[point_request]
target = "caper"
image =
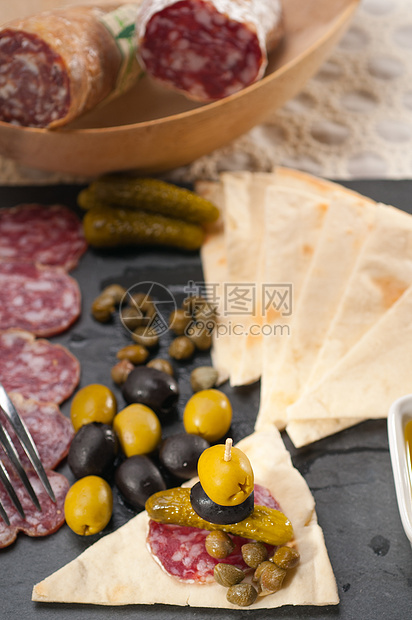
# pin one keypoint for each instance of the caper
(134, 353)
(181, 348)
(286, 557)
(202, 339)
(103, 308)
(121, 371)
(271, 577)
(115, 291)
(228, 575)
(242, 594)
(192, 303)
(219, 544)
(203, 378)
(150, 309)
(254, 554)
(260, 569)
(179, 321)
(131, 317)
(161, 364)
(138, 299)
(145, 337)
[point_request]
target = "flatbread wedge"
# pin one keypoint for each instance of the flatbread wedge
(119, 570)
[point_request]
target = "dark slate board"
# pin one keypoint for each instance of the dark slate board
(349, 474)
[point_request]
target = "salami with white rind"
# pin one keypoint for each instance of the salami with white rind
(207, 49)
(59, 64)
(42, 300)
(50, 235)
(37, 369)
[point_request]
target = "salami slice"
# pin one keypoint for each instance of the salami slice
(208, 49)
(42, 300)
(58, 64)
(181, 552)
(51, 431)
(35, 523)
(50, 235)
(36, 368)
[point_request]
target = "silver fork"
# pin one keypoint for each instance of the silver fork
(30, 449)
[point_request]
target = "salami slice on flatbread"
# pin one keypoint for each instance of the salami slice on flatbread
(119, 569)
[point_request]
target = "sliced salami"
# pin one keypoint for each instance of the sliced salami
(181, 552)
(36, 368)
(208, 49)
(58, 64)
(35, 523)
(50, 235)
(42, 300)
(51, 431)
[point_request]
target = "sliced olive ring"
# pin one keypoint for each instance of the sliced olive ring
(215, 513)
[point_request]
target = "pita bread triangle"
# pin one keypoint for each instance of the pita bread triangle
(119, 570)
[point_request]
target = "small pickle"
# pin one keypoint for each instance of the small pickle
(103, 309)
(115, 291)
(154, 195)
(121, 371)
(254, 554)
(271, 577)
(203, 378)
(219, 544)
(161, 364)
(131, 318)
(242, 594)
(265, 525)
(181, 348)
(105, 227)
(145, 337)
(179, 320)
(286, 557)
(228, 575)
(134, 353)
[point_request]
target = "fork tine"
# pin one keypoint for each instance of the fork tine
(5, 478)
(3, 515)
(6, 442)
(25, 440)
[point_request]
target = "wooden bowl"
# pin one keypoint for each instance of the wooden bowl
(153, 130)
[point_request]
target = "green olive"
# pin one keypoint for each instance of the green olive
(208, 413)
(181, 348)
(225, 482)
(88, 505)
(219, 544)
(93, 403)
(121, 371)
(138, 429)
(161, 364)
(145, 337)
(179, 321)
(134, 353)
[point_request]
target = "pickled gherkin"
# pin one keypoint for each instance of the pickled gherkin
(105, 227)
(151, 195)
(264, 525)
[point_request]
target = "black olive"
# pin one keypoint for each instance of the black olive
(180, 454)
(215, 513)
(151, 387)
(93, 450)
(137, 478)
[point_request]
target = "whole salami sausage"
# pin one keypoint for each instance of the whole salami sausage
(41, 300)
(208, 49)
(50, 235)
(58, 64)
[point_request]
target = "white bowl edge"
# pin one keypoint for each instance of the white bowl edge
(400, 412)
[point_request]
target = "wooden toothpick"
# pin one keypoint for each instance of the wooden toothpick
(228, 449)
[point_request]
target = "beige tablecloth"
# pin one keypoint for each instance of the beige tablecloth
(352, 120)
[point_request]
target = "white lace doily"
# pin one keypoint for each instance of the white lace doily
(352, 120)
